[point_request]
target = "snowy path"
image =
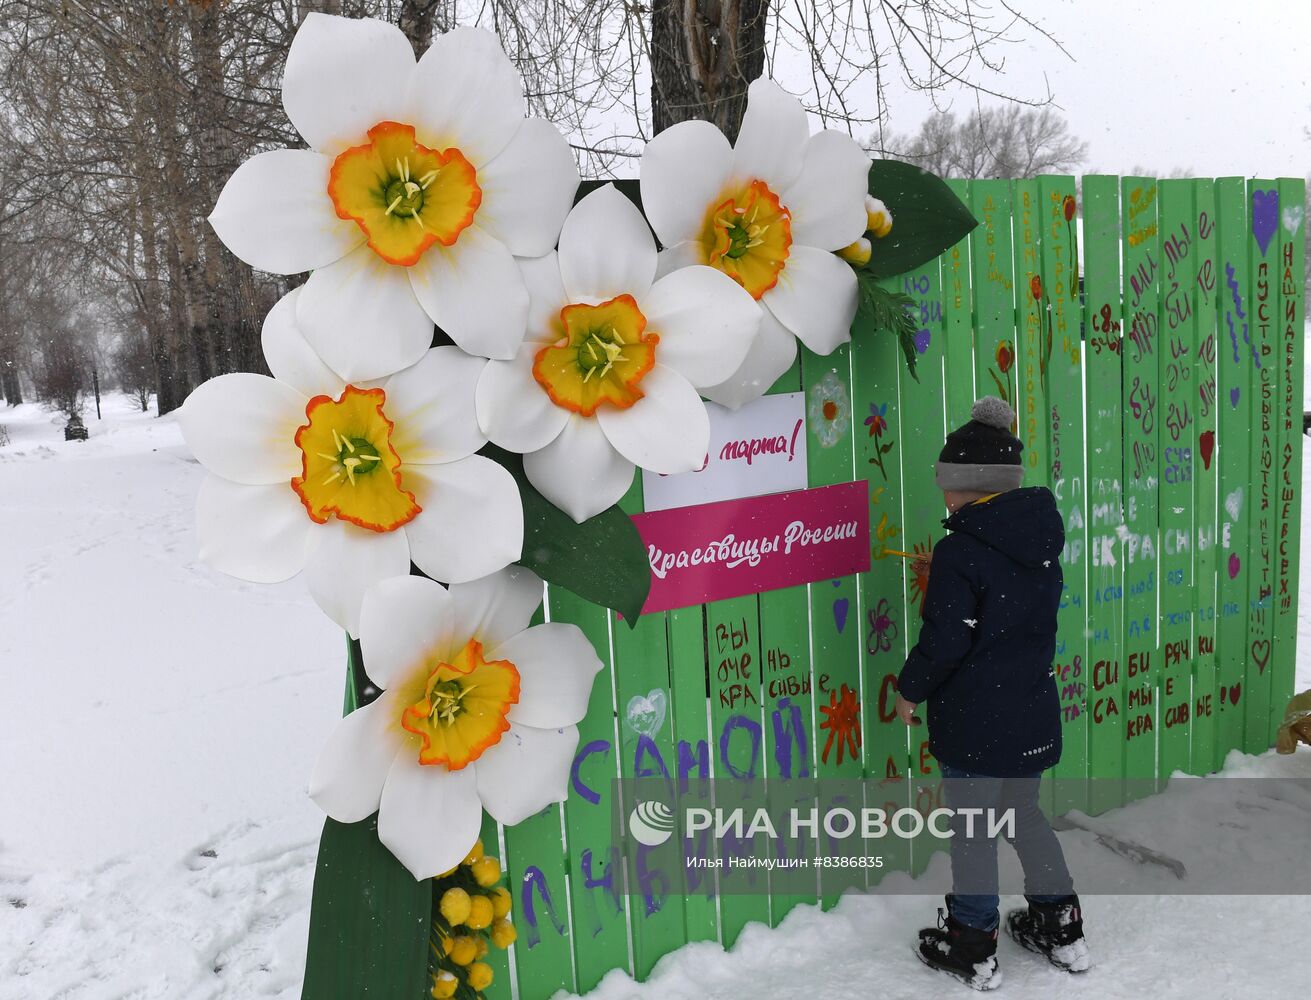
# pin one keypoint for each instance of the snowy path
(156, 840)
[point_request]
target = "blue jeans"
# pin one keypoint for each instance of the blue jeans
(973, 899)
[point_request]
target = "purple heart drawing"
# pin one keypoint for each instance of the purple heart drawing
(1265, 217)
(1233, 565)
(923, 338)
(836, 583)
(1233, 396)
(840, 608)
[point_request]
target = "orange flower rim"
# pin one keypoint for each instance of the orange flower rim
(748, 236)
(348, 465)
(601, 358)
(405, 196)
(458, 709)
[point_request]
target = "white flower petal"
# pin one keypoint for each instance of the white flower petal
(557, 666)
(606, 248)
(773, 136)
(242, 427)
(706, 322)
(816, 298)
(466, 93)
(665, 431)
(430, 816)
(348, 561)
(684, 171)
(475, 292)
(362, 318)
(496, 608)
(472, 520)
(403, 620)
(546, 297)
(772, 353)
(684, 254)
(528, 189)
(513, 409)
(256, 533)
(275, 214)
(289, 355)
(580, 471)
(343, 76)
(352, 766)
(431, 405)
(827, 200)
(526, 771)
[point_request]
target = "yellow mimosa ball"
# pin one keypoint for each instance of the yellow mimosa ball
(455, 906)
(480, 975)
(503, 933)
(486, 871)
(480, 913)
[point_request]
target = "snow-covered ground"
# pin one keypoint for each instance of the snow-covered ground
(158, 722)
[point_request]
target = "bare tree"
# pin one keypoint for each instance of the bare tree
(1010, 141)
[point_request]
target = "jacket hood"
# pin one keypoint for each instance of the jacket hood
(1023, 524)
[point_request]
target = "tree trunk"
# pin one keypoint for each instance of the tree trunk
(416, 21)
(704, 54)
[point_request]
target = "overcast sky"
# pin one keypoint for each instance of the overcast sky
(1218, 88)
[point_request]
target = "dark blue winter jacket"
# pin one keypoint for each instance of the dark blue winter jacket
(983, 663)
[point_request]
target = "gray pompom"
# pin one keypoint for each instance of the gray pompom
(992, 410)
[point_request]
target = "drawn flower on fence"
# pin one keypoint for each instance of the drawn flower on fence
(842, 721)
(882, 629)
(877, 422)
(422, 185)
(919, 586)
(478, 711)
(1001, 377)
(1044, 327)
(1068, 207)
(608, 376)
(830, 410)
(769, 211)
(348, 483)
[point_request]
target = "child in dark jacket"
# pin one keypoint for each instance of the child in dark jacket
(983, 665)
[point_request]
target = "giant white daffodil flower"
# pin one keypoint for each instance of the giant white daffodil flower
(423, 183)
(769, 212)
(479, 711)
(608, 375)
(347, 482)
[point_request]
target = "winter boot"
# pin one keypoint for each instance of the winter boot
(962, 951)
(1054, 930)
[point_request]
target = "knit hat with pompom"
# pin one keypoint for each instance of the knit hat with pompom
(982, 454)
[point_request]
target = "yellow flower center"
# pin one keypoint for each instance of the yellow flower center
(748, 236)
(348, 465)
(458, 709)
(405, 196)
(601, 357)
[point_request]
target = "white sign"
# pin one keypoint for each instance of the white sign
(757, 449)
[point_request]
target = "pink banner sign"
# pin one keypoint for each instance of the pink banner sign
(715, 551)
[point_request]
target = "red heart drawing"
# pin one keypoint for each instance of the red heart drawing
(1263, 657)
(1234, 691)
(1207, 443)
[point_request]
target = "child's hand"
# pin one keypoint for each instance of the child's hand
(906, 711)
(921, 564)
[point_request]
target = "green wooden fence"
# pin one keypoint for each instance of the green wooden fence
(1159, 398)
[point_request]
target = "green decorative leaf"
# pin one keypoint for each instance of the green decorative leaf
(369, 920)
(601, 560)
(885, 310)
(927, 217)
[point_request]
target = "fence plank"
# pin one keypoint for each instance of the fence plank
(1178, 449)
(834, 632)
(1289, 363)
(887, 626)
(958, 323)
(923, 430)
(1140, 255)
(1064, 420)
(1105, 416)
(992, 274)
(1205, 704)
(788, 700)
(1263, 255)
(1236, 374)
